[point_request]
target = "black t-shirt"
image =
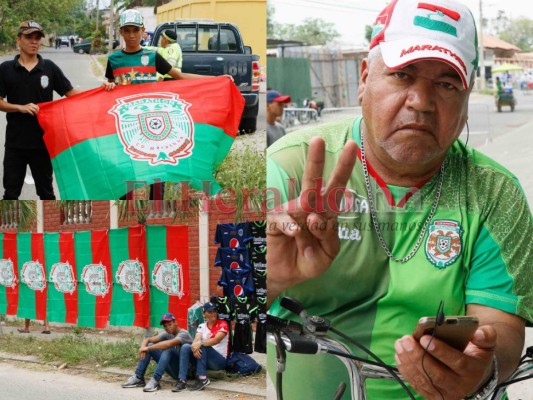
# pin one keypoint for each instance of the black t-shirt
(20, 86)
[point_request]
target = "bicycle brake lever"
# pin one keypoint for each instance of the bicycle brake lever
(294, 306)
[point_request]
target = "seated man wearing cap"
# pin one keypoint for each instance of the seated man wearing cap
(275, 105)
(164, 349)
(385, 216)
(210, 349)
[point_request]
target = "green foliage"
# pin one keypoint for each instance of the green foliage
(368, 33)
(312, 31)
(243, 175)
(270, 20)
(22, 211)
(520, 33)
(56, 16)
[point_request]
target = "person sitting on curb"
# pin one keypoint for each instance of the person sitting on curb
(164, 349)
(26, 328)
(210, 348)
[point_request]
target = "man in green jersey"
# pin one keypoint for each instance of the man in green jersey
(379, 219)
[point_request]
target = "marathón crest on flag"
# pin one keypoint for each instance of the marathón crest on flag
(167, 276)
(94, 276)
(33, 275)
(62, 275)
(7, 273)
(154, 127)
(130, 275)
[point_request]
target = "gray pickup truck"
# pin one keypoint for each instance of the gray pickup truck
(217, 48)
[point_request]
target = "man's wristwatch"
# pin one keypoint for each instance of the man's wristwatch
(486, 391)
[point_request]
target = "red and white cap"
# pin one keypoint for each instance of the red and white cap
(408, 31)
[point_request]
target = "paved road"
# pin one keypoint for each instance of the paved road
(32, 383)
(77, 68)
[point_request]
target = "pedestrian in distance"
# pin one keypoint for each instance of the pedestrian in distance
(209, 350)
(275, 105)
(26, 329)
(171, 51)
(26, 80)
(164, 349)
(393, 214)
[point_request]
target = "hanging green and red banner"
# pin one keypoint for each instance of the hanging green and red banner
(32, 272)
(168, 259)
(95, 278)
(124, 277)
(9, 289)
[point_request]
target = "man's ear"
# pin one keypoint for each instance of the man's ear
(362, 80)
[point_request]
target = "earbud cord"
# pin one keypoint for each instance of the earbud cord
(439, 320)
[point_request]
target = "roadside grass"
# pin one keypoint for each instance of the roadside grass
(75, 350)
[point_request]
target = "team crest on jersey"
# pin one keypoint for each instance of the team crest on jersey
(7, 273)
(145, 60)
(95, 278)
(443, 244)
(33, 275)
(45, 81)
(157, 129)
(130, 275)
(62, 275)
(167, 276)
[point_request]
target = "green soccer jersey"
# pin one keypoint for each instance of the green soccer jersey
(477, 249)
(132, 68)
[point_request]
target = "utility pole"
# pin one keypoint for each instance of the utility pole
(97, 11)
(481, 48)
(111, 27)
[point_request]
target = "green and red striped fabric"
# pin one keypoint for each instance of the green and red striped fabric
(130, 304)
(95, 278)
(9, 277)
(175, 131)
(168, 260)
(32, 273)
(62, 277)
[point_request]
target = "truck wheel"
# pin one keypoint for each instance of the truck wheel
(512, 107)
(80, 51)
(499, 105)
(248, 125)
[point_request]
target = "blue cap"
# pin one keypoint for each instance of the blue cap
(167, 317)
(209, 306)
(274, 95)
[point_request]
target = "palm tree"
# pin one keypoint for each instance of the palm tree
(20, 214)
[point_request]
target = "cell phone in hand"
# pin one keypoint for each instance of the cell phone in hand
(456, 331)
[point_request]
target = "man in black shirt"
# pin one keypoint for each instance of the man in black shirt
(25, 81)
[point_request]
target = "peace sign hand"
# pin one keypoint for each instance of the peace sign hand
(302, 240)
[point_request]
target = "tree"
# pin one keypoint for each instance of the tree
(312, 31)
(368, 32)
(520, 33)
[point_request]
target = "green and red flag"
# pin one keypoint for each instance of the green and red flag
(103, 144)
(62, 277)
(95, 278)
(9, 279)
(33, 285)
(130, 304)
(168, 260)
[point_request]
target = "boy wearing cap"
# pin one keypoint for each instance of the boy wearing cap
(135, 64)
(25, 81)
(210, 348)
(275, 105)
(164, 349)
(424, 219)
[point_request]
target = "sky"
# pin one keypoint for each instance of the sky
(351, 16)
